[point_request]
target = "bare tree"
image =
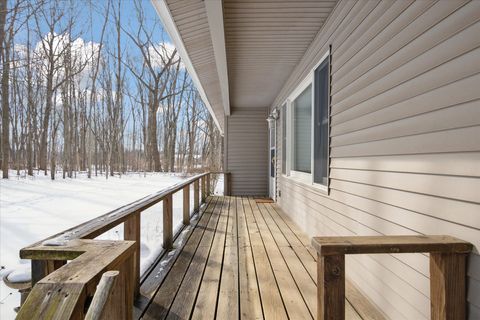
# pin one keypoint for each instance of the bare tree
(133, 108)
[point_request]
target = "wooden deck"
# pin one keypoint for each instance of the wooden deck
(240, 258)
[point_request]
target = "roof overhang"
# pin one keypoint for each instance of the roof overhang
(215, 22)
(213, 89)
(240, 54)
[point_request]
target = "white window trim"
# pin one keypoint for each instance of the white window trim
(285, 115)
(298, 176)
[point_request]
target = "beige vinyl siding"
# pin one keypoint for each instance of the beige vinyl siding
(405, 140)
(247, 151)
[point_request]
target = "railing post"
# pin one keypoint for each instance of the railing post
(331, 287)
(101, 296)
(186, 205)
(42, 268)
(196, 196)
(208, 184)
(120, 303)
(447, 285)
(131, 231)
(167, 222)
(226, 183)
(204, 189)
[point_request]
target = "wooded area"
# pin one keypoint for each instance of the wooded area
(122, 103)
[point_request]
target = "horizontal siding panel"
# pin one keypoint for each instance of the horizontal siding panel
(386, 218)
(457, 140)
(247, 156)
(458, 188)
(432, 48)
(412, 26)
(420, 214)
(353, 220)
(369, 31)
(464, 115)
(461, 67)
(362, 9)
(451, 94)
(459, 164)
(404, 66)
(392, 30)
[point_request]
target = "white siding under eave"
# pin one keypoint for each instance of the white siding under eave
(405, 140)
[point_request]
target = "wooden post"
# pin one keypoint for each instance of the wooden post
(196, 201)
(447, 286)
(204, 189)
(131, 231)
(42, 268)
(119, 304)
(167, 222)
(186, 205)
(208, 184)
(331, 287)
(226, 183)
(102, 294)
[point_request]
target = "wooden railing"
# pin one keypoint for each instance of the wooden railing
(64, 291)
(447, 270)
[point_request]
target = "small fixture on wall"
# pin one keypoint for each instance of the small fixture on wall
(272, 117)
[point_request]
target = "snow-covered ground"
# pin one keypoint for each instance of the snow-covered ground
(34, 208)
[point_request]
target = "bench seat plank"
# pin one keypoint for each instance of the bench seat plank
(326, 246)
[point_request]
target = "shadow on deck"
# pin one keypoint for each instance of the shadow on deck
(239, 258)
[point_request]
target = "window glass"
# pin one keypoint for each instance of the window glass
(302, 118)
(283, 114)
(320, 148)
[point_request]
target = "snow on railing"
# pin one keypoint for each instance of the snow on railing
(51, 254)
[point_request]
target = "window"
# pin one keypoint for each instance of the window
(283, 114)
(302, 123)
(320, 140)
(306, 128)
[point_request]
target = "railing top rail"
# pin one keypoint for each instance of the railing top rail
(69, 286)
(103, 223)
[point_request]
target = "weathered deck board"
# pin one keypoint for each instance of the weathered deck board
(243, 259)
(162, 300)
(250, 303)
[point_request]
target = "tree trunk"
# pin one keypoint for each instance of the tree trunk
(46, 119)
(5, 92)
(152, 139)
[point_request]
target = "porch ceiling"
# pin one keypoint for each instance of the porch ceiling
(244, 59)
(265, 39)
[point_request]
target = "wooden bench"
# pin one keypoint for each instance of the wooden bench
(447, 270)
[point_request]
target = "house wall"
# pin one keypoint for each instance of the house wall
(405, 140)
(247, 151)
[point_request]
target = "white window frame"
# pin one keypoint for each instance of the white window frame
(302, 177)
(284, 115)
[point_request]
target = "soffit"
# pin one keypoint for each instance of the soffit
(265, 39)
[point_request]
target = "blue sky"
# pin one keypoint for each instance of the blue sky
(90, 17)
(89, 20)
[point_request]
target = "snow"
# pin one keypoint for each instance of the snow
(34, 208)
(18, 276)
